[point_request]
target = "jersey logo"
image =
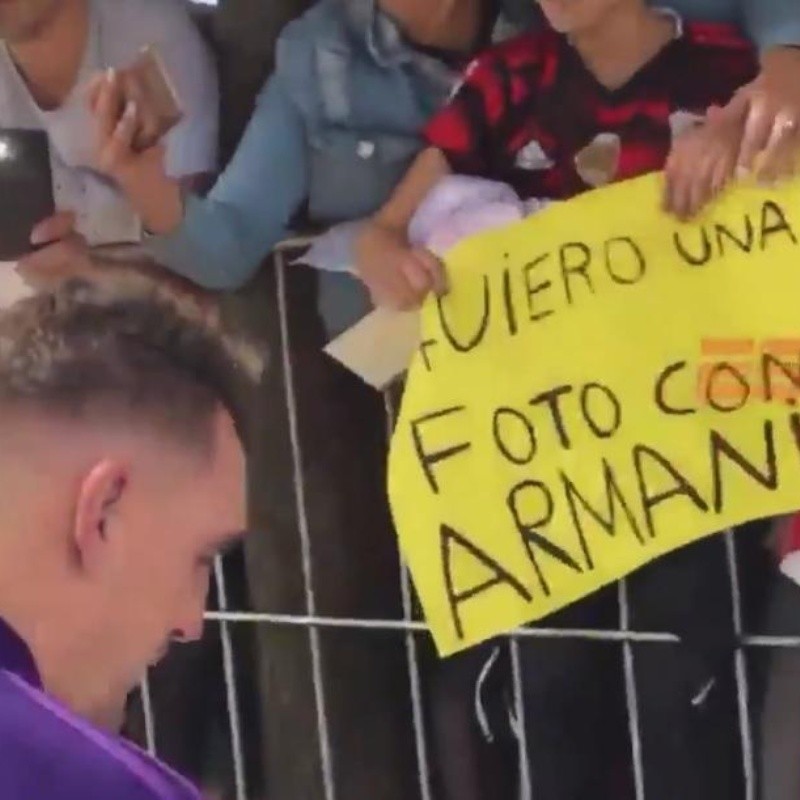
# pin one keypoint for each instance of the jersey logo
(533, 157)
(598, 162)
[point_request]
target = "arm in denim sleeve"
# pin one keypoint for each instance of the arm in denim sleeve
(224, 237)
(772, 22)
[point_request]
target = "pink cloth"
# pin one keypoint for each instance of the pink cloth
(460, 206)
(456, 208)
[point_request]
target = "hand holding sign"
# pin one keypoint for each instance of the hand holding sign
(601, 386)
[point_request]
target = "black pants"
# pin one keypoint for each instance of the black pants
(576, 708)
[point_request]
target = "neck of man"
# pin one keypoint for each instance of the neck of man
(623, 42)
(46, 621)
(50, 60)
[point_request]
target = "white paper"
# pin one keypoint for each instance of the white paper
(379, 348)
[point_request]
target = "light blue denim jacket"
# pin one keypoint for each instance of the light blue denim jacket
(347, 94)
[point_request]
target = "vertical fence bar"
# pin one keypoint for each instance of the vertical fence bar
(149, 716)
(525, 783)
(231, 692)
(305, 536)
(631, 693)
(742, 684)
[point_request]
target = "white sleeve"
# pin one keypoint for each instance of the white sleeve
(192, 144)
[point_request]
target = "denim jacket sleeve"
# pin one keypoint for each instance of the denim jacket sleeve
(773, 22)
(225, 236)
(768, 23)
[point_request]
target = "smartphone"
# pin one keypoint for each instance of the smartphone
(147, 83)
(26, 189)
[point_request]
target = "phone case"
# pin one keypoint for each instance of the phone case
(147, 83)
(26, 189)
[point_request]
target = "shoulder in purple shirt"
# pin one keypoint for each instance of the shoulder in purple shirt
(46, 751)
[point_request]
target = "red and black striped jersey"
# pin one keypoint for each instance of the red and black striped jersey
(530, 113)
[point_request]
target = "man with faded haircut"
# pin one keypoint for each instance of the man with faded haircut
(121, 477)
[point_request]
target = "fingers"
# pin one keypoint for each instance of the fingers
(757, 132)
(146, 132)
(702, 162)
(114, 131)
(59, 226)
(675, 199)
(722, 174)
(63, 259)
(770, 141)
(118, 148)
(715, 172)
(686, 179)
(396, 294)
(405, 287)
(778, 159)
(784, 129)
(388, 287)
(425, 273)
(699, 188)
(396, 275)
(693, 183)
(107, 105)
(708, 182)
(122, 139)
(405, 284)
(678, 174)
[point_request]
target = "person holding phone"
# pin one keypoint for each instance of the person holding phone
(49, 52)
(354, 84)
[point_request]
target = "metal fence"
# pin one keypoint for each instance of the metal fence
(411, 629)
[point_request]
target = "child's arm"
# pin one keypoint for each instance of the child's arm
(461, 139)
(396, 274)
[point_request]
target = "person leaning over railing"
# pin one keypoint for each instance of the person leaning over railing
(49, 51)
(340, 119)
(541, 112)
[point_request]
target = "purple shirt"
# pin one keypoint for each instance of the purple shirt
(49, 753)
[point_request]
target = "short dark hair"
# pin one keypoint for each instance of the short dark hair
(127, 350)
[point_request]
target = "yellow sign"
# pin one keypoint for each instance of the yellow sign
(601, 386)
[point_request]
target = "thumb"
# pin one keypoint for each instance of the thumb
(120, 146)
(435, 269)
(59, 226)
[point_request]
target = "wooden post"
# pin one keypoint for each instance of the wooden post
(342, 432)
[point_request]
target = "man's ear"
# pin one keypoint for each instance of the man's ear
(99, 496)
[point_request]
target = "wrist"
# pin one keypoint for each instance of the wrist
(156, 197)
(138, 179)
